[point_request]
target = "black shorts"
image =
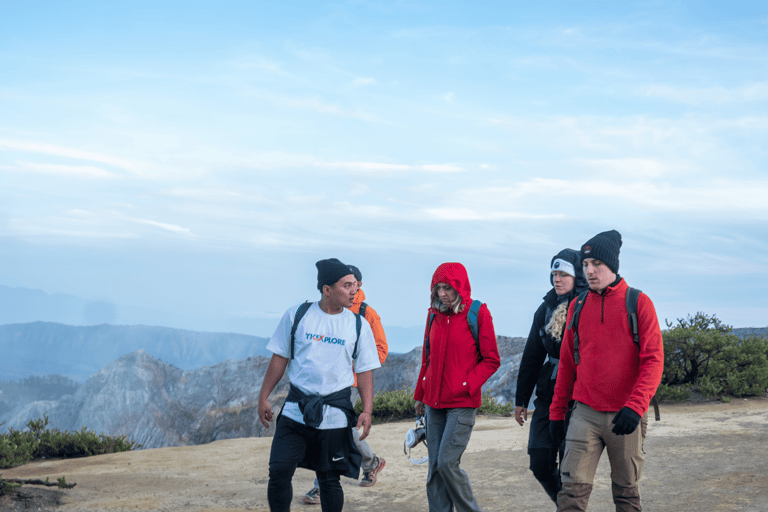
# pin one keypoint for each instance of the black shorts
(310, 448)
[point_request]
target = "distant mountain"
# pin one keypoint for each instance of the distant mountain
(745, 332)
(157, 404)
(75, 351)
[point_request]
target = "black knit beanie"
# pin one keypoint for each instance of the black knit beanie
(604, 247)
(330, 271)
(356, 272)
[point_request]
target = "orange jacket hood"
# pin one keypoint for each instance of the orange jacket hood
(359, 298)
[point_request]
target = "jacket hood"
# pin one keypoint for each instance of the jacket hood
(359, 296)
(455, 275)
(574, 258)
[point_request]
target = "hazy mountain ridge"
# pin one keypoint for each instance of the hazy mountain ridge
(157, 404)
(745, 332)
(51, 348)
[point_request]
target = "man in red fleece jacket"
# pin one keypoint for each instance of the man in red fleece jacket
(611, 384)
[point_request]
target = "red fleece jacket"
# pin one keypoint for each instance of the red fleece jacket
(612, 373)
(452, 376)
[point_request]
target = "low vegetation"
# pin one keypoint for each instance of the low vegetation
(399, 405)
(702, 355)
(17, 447)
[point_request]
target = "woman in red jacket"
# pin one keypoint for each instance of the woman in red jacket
(454, 367)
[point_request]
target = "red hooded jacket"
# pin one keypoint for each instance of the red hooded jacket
(453, 376)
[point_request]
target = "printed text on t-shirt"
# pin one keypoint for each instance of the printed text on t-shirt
(326, 339)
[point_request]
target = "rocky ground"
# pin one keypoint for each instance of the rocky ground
(709, 456)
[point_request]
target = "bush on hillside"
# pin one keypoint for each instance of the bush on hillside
(701, 353)
(399, 405)
(6, 486)
(17, 448)
(490, 405)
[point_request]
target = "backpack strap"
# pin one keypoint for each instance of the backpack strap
(632, 295)
(631, 301)
(575, 323)
(300, 314)
(296, 319)
(473, 325)
(358, 326)
(363, 309)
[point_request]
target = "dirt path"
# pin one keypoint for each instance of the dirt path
(700, 457)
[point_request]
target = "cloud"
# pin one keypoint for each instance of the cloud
(132, 166)
(707, 96)
(705, 197)
(363, 81)
(173, 228)
(205, 193)
(259, 63)
(468, 214)
(637, 168)
(69, 170)
(381, 167)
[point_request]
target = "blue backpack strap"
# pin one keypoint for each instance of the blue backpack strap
(574, 324)
(297, 317)
(473, 324)
(632, 295)
(358, 326)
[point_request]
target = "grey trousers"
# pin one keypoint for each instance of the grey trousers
(448, 432)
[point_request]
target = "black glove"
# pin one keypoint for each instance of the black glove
(625, 422)
(557, 431)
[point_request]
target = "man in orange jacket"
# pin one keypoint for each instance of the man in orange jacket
(372, 464)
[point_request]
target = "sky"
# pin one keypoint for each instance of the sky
(193, 160)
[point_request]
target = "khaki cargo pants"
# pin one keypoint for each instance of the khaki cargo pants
(589, 432)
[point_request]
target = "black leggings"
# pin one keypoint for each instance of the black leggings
(543, 452)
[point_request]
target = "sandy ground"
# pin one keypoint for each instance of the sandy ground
(700, 457)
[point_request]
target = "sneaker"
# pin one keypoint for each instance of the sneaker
(369, 477)
(312, 497)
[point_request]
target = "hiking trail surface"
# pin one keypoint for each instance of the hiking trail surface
(701, 456)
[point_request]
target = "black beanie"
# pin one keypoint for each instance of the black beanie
(604, 247)
(330, 271)
(356, 272)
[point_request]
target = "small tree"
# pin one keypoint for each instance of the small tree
(700, 352)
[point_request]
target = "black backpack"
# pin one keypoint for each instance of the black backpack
(473, 327)
(300, 314)
(632, 296)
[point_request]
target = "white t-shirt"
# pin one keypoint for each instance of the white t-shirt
(323, 361)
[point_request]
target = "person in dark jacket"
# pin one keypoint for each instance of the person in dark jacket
(454, 368)
(538, 367)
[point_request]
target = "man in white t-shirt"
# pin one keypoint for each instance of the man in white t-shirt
(313, 430)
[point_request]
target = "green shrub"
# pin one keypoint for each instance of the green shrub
(489, 405)
(399, 405)
(674, 393)
(6, 486)
(17, 448)
(390, 405)
(700, 352)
